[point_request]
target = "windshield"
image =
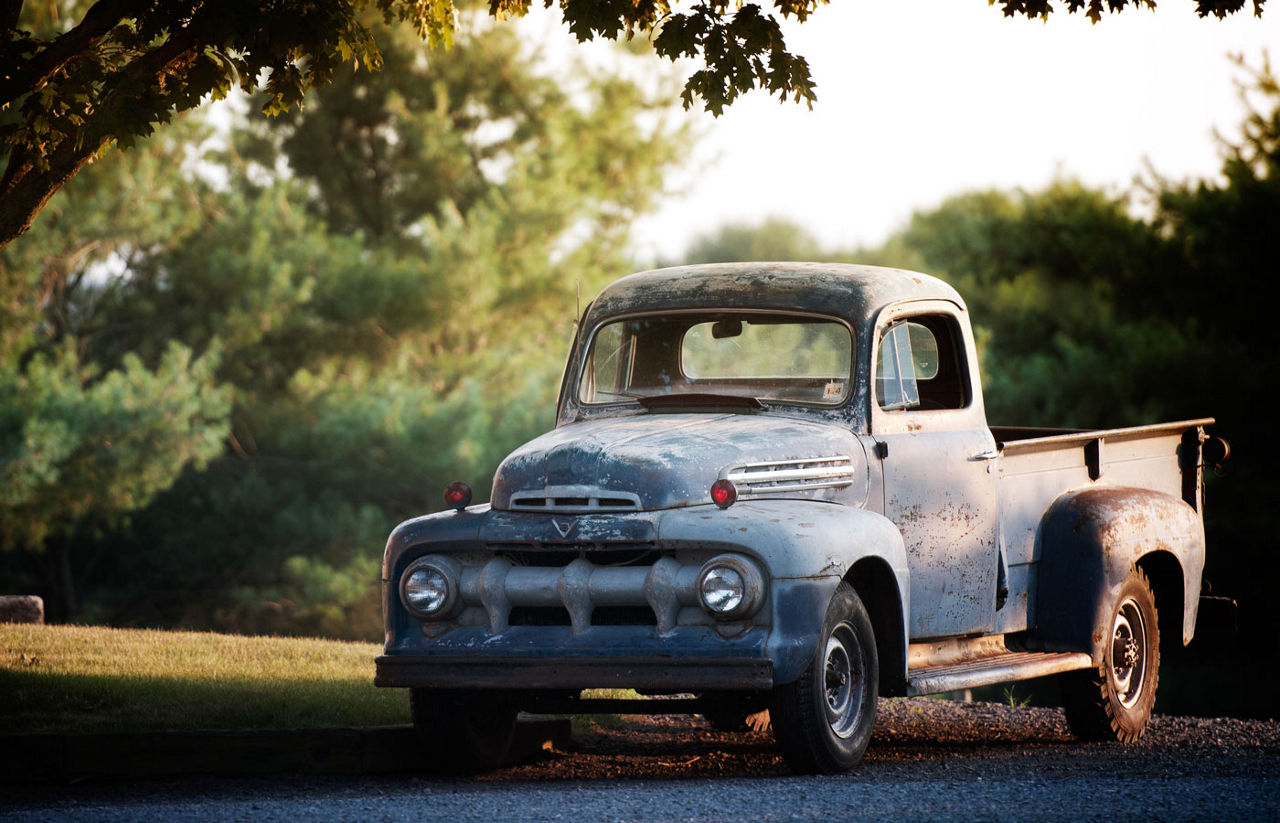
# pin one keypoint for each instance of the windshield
(776, 357)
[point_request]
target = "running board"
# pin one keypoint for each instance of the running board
(987, 671)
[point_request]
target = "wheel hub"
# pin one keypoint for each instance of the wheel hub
(1128, 648)
(843, 680)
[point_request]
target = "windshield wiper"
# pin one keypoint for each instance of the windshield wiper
(626, 394)
(703, 400)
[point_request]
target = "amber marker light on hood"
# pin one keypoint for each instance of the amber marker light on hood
(457, 495)
(724, 493)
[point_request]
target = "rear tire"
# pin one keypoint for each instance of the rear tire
(823, 721)
(463, 731)
(1114, 702)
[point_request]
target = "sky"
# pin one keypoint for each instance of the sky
(922, 99)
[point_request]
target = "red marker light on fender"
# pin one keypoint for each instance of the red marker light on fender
(724, 493)
(457, 495)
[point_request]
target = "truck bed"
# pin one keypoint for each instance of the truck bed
(1037, 465)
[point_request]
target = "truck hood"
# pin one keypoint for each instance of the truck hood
(662, 461)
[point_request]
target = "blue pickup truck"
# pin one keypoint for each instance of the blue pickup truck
(773, 486)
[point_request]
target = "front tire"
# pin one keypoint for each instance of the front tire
(823, 721)
(463, 732)
(1115, 701)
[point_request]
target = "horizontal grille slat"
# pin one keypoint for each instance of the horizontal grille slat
(574, 500)
(804, 474)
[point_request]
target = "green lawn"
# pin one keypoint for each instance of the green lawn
(81, 679)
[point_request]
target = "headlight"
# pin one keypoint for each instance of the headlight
(429, 587)
(730, 587)
(722, 589)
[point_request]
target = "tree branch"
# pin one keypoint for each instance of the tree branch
(25, 187)
(101, 18)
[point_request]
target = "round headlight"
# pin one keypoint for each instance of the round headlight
(730, 587)
(429, 587)
(722, 590)
(425, 590)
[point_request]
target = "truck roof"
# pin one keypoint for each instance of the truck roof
(854, 293)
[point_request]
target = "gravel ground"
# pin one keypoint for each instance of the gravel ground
(929, 760)
(908, 732)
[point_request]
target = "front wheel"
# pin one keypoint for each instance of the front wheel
(823, 721)
(1114, 701)
(463, 732)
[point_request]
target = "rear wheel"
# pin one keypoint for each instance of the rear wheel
(1114, 702)
(823, 721)
(463, 731)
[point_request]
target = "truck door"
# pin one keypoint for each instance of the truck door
(939, 467)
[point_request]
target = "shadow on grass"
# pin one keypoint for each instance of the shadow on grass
(38, 702)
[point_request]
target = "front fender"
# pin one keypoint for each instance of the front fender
(442, 531)
(808, 547)
(1090, 540)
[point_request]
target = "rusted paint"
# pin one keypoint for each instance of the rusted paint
(1093, 540)
(671, 460)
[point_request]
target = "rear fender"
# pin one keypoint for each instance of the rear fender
(1088, 543)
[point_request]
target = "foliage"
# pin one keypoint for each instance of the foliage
(386, 315)
(1093, 9)
(80, 75)
(78, 449)
(82, 445)
(85, 680)
(773, 239)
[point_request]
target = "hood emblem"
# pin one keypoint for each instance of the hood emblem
(564, 526)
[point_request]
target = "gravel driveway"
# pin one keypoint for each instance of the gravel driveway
(929, 760)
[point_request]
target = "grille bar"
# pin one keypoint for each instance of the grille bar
(574, 500)
(580, 587)
(793, 475)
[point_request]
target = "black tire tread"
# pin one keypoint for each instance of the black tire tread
(1092, 709)
(796, 707)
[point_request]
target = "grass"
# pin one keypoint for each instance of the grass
(1013, 699)
(80, 679)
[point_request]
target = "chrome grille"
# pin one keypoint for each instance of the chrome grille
(792, 475)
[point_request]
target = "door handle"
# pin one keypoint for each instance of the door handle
(986, 455)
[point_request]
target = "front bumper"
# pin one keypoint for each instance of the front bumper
(689, 658)
(645, 673)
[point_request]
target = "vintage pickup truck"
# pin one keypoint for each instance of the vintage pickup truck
(773, 485)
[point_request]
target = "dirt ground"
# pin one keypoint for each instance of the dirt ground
(907, 731)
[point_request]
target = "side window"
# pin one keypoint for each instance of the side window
(918, 365)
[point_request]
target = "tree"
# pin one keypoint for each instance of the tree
(84, 444)
(79, 76)
(80, 450)
(772, 239)
(389, 314)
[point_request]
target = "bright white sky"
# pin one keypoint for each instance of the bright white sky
(921, 99)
